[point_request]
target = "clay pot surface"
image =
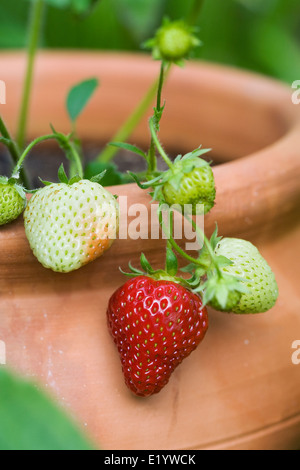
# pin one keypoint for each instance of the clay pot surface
(240, 388)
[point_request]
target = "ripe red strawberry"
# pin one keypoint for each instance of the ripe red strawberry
(155, 325)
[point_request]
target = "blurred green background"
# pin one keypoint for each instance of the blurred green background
(259, 35)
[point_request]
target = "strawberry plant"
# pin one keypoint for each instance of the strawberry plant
(158, 317)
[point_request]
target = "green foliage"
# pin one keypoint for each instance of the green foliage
(260, 35)
(76, 6)
(29, 420)
(112, 176)
(79, 96)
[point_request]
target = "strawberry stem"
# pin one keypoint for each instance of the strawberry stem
(172, 242)
(208, 246)
(34, 33)
(27, 150)
(158, 144)
(181, 252)
(131, 123)
(64, 142)
(14, 151)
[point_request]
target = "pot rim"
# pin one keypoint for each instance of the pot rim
(253, 191)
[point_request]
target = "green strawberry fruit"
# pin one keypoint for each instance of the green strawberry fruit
(191, 182)
(70, 225)
(233, 299)
(173, 42)
(248, 265)
(12, 201)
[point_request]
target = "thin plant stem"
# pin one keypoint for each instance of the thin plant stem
(181, 252)
(164, 71)
(172, 242)
(34, 33)
(128, 127)
(126, 130)
(14, 152)
(158, 144)
(76, 161)
(28, 149)
(208, 246)
(65, 144)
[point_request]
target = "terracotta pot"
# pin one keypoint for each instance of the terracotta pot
(240, 389)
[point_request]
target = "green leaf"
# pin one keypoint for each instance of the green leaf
(131, 148)
(30, 420)
(98, 178)
(79, 96)
(139, 16)
(111, 177)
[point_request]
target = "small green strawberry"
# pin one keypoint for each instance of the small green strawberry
(70, 224)
(249, 266)
(190, 182)
(12, 200)
(232, 276)
(173, 42)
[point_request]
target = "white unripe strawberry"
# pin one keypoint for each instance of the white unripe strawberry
(250, 266)
(70, 225)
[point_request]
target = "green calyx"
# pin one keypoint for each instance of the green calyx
(219, 290)
(222, 293)
(167, 274)
(173, 42)
(63, 178)
(188, 184)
